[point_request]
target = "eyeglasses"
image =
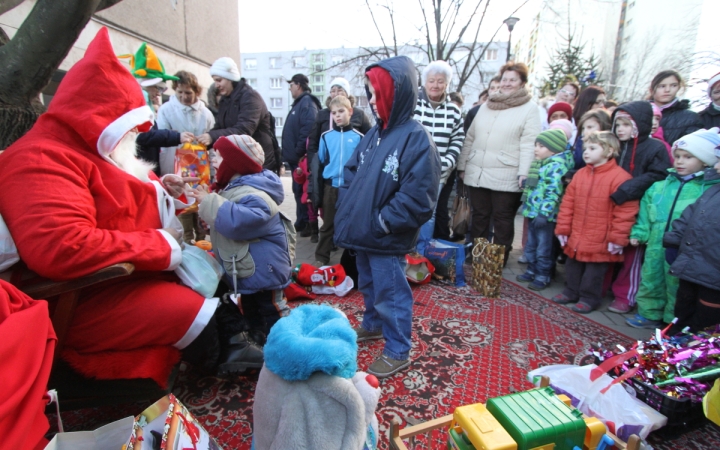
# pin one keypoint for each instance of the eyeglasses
(566, 92)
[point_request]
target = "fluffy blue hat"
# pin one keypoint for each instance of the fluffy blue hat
(313, 338)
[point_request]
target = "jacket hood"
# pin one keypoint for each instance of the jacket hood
(265, 181)
(678, 105)
(405, 76)
(642, 113)
(711, 174)
(312, 97)
(115, 107)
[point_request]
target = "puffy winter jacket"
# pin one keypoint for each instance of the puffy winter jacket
(710, 117)
(678, 120)
(297, 128)
(323, 122)
(590, 219)
(245, 222)
(697, 235)
(244, 112)
(336, 148)
(644, 158)
(544, 198)
(392, 178)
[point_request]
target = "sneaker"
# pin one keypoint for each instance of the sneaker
(522, 259)
(385, 366)
(365, 335)
(638, 321)
(561, 299)
(582, 308)
(619, 306)
(525, 277)
(538, 285)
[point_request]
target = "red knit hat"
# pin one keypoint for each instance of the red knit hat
(117, 104)
(560, 106)
(241, 155)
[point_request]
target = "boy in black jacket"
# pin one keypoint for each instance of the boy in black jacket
(646, 159)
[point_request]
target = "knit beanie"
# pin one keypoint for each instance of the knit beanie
(241, 155)
(560, 106)
(225, 67)
(342, 83)
(563, 124)
(711, 83)
(701, 144)
(553, 140)
(625, 115)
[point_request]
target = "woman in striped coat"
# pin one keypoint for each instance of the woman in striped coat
(443, 120)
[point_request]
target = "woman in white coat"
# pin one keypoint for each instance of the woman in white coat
(497, 153)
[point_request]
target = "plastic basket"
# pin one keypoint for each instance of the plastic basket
(682, 414)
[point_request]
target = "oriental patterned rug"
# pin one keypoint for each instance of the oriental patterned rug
(466, 349)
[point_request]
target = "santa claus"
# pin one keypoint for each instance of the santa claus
(76, 199)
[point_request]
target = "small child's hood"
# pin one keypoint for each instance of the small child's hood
(265, 181)
(641, 113)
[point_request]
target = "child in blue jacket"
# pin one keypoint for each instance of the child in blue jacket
(336, 147)
(390, 190)
(248, 232)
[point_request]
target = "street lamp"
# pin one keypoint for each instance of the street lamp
(510, 22)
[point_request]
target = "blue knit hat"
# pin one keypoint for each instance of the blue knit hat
(701, 144)
(313, 338)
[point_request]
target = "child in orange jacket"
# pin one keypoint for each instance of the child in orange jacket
(591, 228)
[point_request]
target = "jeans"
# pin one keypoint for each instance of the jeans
(539, 248)
(300, 208)
(263, 309)
(388, 301)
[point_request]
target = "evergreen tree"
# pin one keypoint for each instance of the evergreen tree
(570, 64)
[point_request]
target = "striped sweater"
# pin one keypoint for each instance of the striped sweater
(445, 125)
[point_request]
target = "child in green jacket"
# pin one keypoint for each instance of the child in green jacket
(662, 203)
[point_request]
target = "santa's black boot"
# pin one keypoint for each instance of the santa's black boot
(238, 351)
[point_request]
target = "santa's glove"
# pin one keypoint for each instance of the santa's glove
(615, 249)
(563, 240)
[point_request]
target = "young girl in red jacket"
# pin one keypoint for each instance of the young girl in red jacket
(591, 227)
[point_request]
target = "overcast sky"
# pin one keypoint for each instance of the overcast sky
(286, 25)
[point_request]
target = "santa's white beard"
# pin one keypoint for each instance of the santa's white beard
(125, 156)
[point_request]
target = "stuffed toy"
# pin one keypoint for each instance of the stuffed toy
(296, 292)
(419, 269)
(309, 393)
(341, 290)
(308, 275)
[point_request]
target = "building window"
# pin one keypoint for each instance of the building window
(318, 57)
(628, 22)
(279, 121)
(252, 82)
(318, 67)
(251, 63)
(298, 61)
(276, 83)
(361, 101)
(318, 79)
(318, 88)
(491, 54)
(337, 60)
(275, 63)
(276, 103)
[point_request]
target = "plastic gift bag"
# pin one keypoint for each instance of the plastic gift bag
(488, 262)
(192, 160)
(448, 259)
(596, 394)
(199, 271)
(8, 250)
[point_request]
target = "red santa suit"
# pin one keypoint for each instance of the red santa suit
(25, 369)
(72, 211)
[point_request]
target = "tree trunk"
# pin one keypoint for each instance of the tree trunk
(29, 60)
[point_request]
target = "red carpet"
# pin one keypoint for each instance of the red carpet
(466, 349)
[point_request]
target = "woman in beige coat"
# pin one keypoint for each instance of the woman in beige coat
(497, 153)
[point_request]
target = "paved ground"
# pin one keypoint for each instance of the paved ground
(305, 253)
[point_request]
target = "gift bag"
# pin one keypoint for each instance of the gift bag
(115, 435)
(488, 262)
(460, 219)
(448, 259)
(596, 394)
(192, 160)
(168, 424)
(199, 271)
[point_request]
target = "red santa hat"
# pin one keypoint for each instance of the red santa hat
(100, 99)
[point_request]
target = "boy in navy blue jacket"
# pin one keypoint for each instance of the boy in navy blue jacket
(390, 190)
(336, 147)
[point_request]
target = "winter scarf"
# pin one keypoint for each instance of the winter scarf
(500, 101)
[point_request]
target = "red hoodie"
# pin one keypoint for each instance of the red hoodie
(384, 87)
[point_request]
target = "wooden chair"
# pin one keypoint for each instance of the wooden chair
(75, 391)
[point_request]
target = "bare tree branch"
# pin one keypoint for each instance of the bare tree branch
(428, 42)
(382, 39)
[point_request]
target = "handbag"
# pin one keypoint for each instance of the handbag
(488, 262)
(199, 271)
(460, 220)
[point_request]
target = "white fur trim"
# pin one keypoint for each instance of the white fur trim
(201, 320)
(176, 251)
(111, 135)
